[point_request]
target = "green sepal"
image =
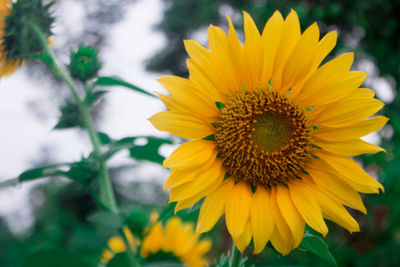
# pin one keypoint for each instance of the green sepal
(219, 105)
(209, 138)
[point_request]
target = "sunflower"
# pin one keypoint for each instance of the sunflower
(273, 132)
(176, 240)
(17, 39)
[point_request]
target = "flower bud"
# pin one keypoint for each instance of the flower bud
(84, 63)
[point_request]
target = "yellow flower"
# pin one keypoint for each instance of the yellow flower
(273, 133)
(179, 239)
(116, 245)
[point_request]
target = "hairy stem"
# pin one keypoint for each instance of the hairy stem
(106, 191)
(235, 257)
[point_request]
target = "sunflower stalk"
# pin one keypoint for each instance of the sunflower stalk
(236, 257)
(106, 191)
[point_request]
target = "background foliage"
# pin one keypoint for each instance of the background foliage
(65, 220)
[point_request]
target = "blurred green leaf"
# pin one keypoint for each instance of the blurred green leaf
(149, 151)
(107, 219)
(70, 116)
(114, 81)
(41, 172)
(54, 257)
(92, 97)
(317, 246)
(83, 170)
(119, 260)
(44, 58)
(104, 138)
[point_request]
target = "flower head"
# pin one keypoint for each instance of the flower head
(178, 240)
(175, 241)
(17, 38)
(273, 132)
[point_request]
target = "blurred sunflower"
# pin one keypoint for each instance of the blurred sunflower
(177, 241)
(274, 133)
(17, 39)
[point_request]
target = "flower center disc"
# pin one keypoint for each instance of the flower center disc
(263, 138)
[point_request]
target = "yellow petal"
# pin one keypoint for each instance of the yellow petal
(348, 147)
(204, 181)
(180, 124)
(279, 243)
(336, 212)
(188, 96)
(271, 37)
(179, 177)
(351, 82)
(171, 104)
(328, 182)
(243, 240)
(347, 112)
(253, 52)
(116, 244)
(307, 206)
(352, 172)
(262, 223)
(236, 53)
(237, 209)
(153, 241)
(201, 70)
(290, 35)
(191, 154)
(281, 238)
(221, 59)
(290, 214)
(186, 203)
(213, 207)
(325, 46)
(328, 76)
(351, 132)
(300, 62)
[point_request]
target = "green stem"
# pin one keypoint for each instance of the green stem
(235, 257)
(106, 191)
(129, 249)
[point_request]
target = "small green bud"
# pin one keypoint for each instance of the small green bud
(137, 221)
(84, 63)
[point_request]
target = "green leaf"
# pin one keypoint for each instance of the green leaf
(119, 145)
(120, 260)
(70, 116)
(114, 81)
(104, 138)
(317, 246)
(44, 58)
(149, 151)
(54, 257)
(41, 172)
(85, 169)
(106, 219)
(92, 97)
